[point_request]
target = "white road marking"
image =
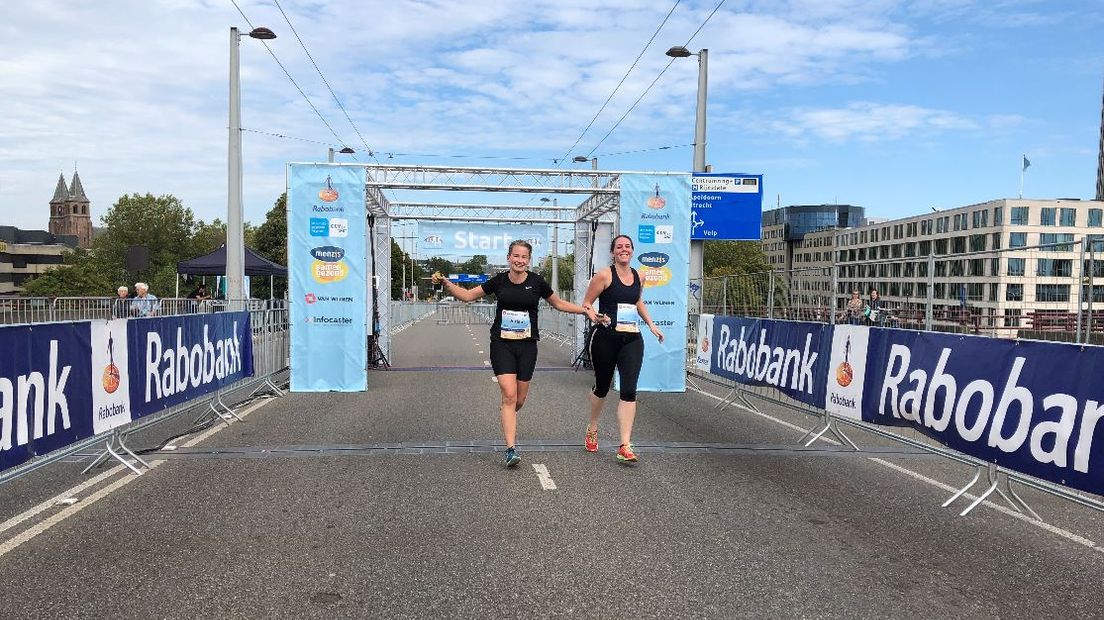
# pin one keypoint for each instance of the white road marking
(494, 378)
(545, 480)
(486, 362)
(11, 544)
(481, 350)
(922, 478)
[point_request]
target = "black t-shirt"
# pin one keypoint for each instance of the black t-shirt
(517, 304)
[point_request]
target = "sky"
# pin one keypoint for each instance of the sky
(894, 105)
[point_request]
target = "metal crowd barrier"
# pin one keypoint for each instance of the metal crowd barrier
(999, 479)
(460, 313)
(406, 313)
(269, 327)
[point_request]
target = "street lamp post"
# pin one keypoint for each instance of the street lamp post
(555, 247)
(344, 151)
(235, 232)
(697, 246)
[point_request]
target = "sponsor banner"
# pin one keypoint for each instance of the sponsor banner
(110, 386)
(702, 358)
(45, 403)
(327, 278)
(847, 371)
(175, 359)
(789, 355)
(1034, 407)
(473, 238)
(655, 213)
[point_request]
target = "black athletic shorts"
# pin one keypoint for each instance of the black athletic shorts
(514, 357)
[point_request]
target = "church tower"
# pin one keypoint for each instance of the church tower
(69, 211)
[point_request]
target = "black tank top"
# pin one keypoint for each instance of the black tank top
(618, 293)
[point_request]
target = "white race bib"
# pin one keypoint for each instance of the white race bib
(515, 325)
(628, 319)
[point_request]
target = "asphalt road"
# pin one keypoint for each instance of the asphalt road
(392, 502)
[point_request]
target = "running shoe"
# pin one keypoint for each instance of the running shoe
(591, 443)
(512, 458)
(625, 453)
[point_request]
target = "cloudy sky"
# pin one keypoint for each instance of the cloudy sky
(895, 105)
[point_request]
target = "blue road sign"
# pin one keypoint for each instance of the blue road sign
(469, 278)
(726, 206)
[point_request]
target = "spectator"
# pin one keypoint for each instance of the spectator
(853, 311)
(120, 308)
(144, 303)
(873, 310)
(200, 293)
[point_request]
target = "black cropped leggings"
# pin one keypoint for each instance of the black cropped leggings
(610, 349)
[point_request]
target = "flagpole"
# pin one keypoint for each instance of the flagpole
(1022, 169)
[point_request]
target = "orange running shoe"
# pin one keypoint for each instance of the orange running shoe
(591, 443)
(625, 453)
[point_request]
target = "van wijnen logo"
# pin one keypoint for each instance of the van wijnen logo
(844, 373)
(328, 193)
(111, 376)
(657, 202)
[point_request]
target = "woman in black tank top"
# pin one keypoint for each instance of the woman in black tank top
(616, 342)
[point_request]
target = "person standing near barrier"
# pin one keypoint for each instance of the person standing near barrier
(120, 308)
(514, 332)
(144, 303)
(873, 310)
(853, 311)
(616, 343)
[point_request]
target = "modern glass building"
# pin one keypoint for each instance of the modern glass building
(784, 226)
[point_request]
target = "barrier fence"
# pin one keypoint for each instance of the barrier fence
(67, 386)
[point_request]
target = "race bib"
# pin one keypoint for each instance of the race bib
(628, 319)
(515, 325)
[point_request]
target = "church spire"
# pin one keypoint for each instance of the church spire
(76, 191)
(61, 194)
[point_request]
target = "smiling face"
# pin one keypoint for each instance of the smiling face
(622, 250)
(518, 257)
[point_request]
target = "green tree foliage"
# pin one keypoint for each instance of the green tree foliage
(567, 272)
(400, 262)
(734, 257)
(78, 276)
(270, 241)
(475, 265)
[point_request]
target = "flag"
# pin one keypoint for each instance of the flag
(1026, 163)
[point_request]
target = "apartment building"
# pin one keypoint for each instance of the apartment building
(999, 264)
(785, 228)
(25, 253)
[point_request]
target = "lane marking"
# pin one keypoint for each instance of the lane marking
(40, 527)
(1081, 540)
(50, 503)
(486, 362)
(545, 480)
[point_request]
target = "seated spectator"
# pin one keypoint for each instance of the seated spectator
(144, 303)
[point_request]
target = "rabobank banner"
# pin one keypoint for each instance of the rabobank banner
(789, 355)
(177, 358)
(474, 238)
(45, 381)
(327, 277)
(655, 213)
(1033, 407)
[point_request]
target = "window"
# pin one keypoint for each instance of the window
(1096, 218)
(1016, 266)
(996, 241)
(1064, 239)
(1019, 216)
(1067, 217)
(1047, 217)
(1052, 292)
(1017, 240)
(977, 243)
(1012, 317)
(998, 216)
(1054, 267)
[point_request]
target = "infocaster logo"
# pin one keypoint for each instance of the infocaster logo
(654, 270)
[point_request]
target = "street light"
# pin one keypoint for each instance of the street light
(555, 247)
(235, 233)
(344, 151)
(697, 247)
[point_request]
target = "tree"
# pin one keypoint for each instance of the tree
(566, 272)
(161, 223)
(734, 258)
(400, 262)
(270, 241)
(476, 265)
(78, 276)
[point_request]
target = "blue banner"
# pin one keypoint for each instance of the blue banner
(789, 355)
(490, 239)
(655, 213)
(45, 397)
(1032, 407)
(727, 206)
(328, 284)
(174, 359)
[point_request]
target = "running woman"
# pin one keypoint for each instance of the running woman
(616, 342)
(514, 332)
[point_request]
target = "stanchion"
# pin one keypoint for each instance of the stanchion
(115, 447)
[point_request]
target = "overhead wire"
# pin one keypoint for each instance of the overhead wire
(291, 79)
(325, 81)
(649, 88)
(619, 84)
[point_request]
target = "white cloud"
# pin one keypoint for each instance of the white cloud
(868, 122)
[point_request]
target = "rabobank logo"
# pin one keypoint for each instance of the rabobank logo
(654, 259)
(328, 193)
(328, 209)
(328, 253)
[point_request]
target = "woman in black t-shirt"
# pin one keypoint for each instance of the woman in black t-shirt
(514, 332)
